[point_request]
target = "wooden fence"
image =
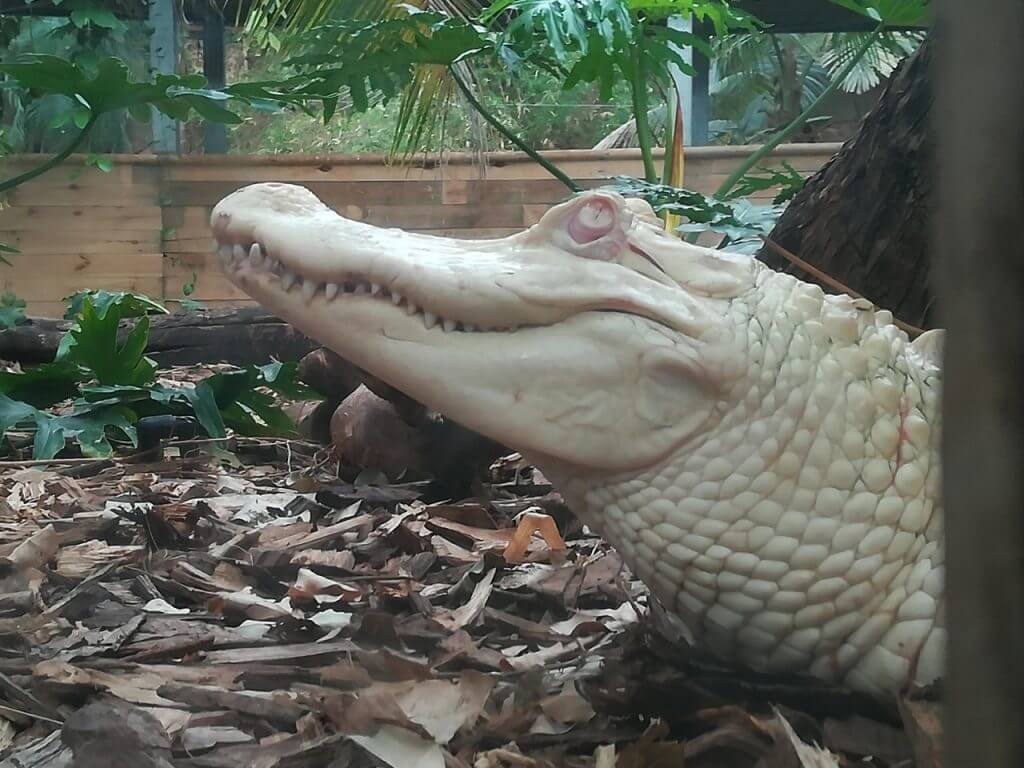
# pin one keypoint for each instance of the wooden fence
(143, 226)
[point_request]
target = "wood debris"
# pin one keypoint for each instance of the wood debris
(196, 612)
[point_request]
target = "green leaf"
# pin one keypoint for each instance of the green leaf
(12, 310)
(101, 162)
(127, 304)
(204, 405)
(283, 378)
(94, 343)
(14, 412)
(80, 117)
(379, 57)
(60, 120)
(108, 86)
(896, 13)
(88, 427)
(49, 439)
(43, 385)
(738, 219)
(787, 178)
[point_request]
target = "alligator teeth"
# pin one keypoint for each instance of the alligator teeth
(238, 254)
(374, 289)
(410, 308)
(360, 288)
(331, 291)
(288, 279)
(396, 299)
(448, 325)
(224, 254)
(308, 289)
(429, 319)
(256, 255)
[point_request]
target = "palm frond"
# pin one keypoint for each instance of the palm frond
(280, 24)
(878, 62)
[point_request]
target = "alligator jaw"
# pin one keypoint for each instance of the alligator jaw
(571, 356)
(249, 264)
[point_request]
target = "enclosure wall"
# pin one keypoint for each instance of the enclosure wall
(143, 226)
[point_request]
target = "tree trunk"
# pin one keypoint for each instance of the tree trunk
(863, 218)
(249, 336)
(980, 275)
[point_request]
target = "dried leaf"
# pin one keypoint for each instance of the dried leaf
(442, 708)
(310, 586)
(250, 605)
(80, 560)
(568, 706)
(37, 550)
(466, 614)
(400, 748)
(809, 756)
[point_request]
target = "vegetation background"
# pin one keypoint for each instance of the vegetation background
(759, 83)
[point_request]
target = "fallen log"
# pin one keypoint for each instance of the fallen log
(243, 336)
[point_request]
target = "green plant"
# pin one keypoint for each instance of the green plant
(887, 13)
(111, 384)
(108, 87)
(786, 179)
(762, 81)
(741, 221)
(12, 309)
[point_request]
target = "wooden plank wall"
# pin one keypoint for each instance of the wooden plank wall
(143, 226)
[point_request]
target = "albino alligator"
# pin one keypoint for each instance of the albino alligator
(765, 457)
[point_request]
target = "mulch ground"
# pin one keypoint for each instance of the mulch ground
(236, 604)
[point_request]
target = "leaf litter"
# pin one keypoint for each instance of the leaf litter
(192, 611)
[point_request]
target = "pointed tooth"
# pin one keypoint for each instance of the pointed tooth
(224, 254)
(238, 253)
(331, 291)
(288, 279)
(360, 288)
(374, 289)
(448, 325)
(309, 289)
(256, 255)
(410, 308)
(429, 319)
(396, 299)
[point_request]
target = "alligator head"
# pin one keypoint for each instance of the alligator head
(765, 457)
(591, 339)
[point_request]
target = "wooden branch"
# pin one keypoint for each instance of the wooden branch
(831, 282)
(247, 336)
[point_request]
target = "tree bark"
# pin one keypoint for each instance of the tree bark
(248, 336)
(980, 275)
(863, 218)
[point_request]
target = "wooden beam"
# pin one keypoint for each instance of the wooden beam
(163, 58)
(215, 138)
(806, 16)
(693, 90)
(979, 106)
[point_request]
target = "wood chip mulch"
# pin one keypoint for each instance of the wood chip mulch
(246, 608)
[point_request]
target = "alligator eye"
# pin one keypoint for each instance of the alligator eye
(592, 222)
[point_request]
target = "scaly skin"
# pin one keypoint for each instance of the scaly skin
(765, 457)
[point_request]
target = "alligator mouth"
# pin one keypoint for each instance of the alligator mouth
(251, 258)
